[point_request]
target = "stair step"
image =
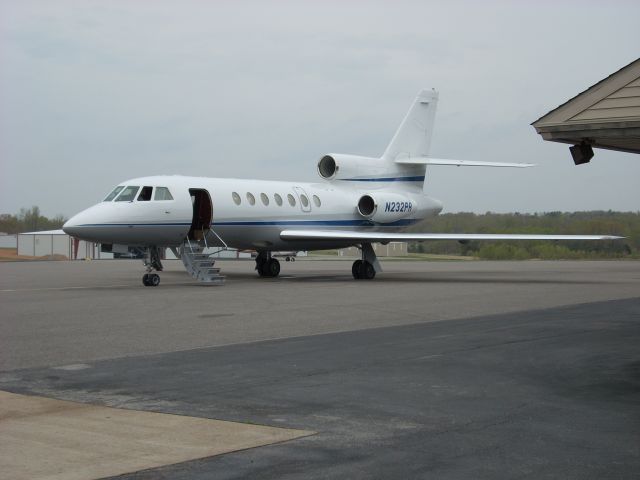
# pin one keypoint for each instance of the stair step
(216, 281)
(200, 265)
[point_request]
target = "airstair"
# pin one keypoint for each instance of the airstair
(200, 264)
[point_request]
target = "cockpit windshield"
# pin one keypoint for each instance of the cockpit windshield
(163, 193)
(128, 194)
(113, 193)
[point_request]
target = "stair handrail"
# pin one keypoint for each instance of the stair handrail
(226, 247)
(204, 237)
(189, 242)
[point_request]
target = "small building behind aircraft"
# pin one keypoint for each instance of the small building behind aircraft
(391, 249)
(56, 243)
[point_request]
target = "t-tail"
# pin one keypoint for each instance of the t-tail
(411, 140)
(404, 162)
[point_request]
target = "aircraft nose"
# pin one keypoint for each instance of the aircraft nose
(71, 226)
(79, 225)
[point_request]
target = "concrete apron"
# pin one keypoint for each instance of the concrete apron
(43, 438)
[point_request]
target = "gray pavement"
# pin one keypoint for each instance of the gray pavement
(534, 374)
(57, 313)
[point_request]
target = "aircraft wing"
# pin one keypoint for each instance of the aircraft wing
(372, 237)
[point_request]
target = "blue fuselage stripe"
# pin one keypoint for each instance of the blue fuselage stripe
(280, 223)
(317, 223)
(135, 224)
(419, 178)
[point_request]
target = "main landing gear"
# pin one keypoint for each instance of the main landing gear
(152, 262)
(363, 270)
(366, 268)
(267, 266)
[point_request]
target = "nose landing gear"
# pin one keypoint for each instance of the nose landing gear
(151, 279)
(152, 262)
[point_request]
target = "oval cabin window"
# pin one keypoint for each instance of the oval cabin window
(251, 199)
(278, 199)
(236, 198)
(292, 201)
(316, 200)
(264, 198)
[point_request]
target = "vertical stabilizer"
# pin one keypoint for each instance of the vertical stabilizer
(413, 137)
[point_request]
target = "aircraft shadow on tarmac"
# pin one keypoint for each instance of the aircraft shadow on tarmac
(394, 278)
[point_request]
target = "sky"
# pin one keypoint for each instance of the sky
(95, 92)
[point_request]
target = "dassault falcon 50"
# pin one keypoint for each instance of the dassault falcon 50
(357, 201)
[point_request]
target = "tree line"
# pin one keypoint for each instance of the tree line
(29, 220)
(626, 224)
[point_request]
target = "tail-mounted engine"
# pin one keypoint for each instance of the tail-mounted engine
(386, 207)
(345, 167)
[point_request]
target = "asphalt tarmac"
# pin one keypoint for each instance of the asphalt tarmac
(432, 370)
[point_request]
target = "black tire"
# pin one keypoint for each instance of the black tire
(355, 269)
(145, 280)
(273, 267)
(368, 271)
(261, 269)
(154, 279)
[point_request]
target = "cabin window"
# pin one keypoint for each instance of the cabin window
(236, 198)
(145, 194)
(264, 198)
(292, 201)
(304, 200)
(113, 194)
(316, 200)
(278, 199)
(128, 194)
(162, 193)
(251, 199)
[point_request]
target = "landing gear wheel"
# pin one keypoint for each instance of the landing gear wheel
(355, 269)
(367, 271)
(363, 270)
(272, 268)
(267, 266)
(151, 279)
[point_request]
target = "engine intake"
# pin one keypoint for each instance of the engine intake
(327, 167)
(366, 206)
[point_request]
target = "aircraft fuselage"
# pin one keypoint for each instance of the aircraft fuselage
(247, 214)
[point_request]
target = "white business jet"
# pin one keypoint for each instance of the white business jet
(357, 201)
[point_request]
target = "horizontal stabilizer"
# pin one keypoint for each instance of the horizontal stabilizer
(458, 163)
(371, 237)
